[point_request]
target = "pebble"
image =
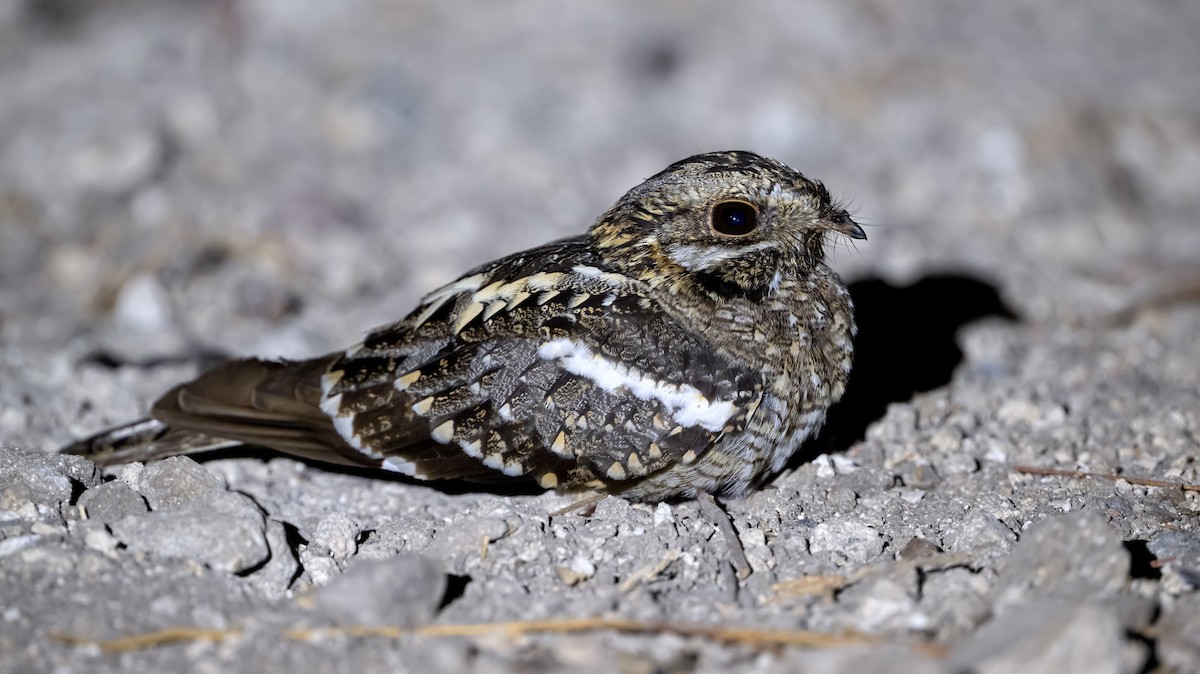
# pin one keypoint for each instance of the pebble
(853, 542)
(112, 501)
(175, 481)
(1073, 556)
(223, 530)
(403, 591)
(1047, 636)
(336, 535)
(46, 479)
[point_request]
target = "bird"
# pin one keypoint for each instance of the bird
(686, 345)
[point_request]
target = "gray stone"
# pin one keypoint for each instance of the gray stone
(174, 481)
(977, 531)
(883, 660)
(112, 501)
(403, 591)
(331, 543)
(884, 602)
(275, 577)
(224, 530)
(1181, 547)
(336, 535)
(118, 162)
(1070, 556)
(48, 479)
(466, 538)
(1178, 632)
(956, 600)
(1048, 636)
(849, 540)
(401, 534)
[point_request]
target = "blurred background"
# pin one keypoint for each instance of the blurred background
(275, 177)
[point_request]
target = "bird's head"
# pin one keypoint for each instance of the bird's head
(736, 221)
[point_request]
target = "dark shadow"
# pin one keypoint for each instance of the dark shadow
(1142, 562)
(204, 359)
(906, 345)
(456, 587)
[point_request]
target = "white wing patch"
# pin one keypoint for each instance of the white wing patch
(344, 425)
(686, 405)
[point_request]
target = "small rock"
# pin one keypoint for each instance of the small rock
(853, 542)
(333, 541)
(958, 462)
(142, 305)
(946, 440)
(1178, 632)
(1014, 412)
(1018, 412)
(919, 548)
(467, 538)
(956, 600)
(112, 501)
(15, 544)
(174, 481)
(132, 475)
(225, 531)
(100, 540)
(579, 569)
(276, 576)
(404, 533)
(663, 514)
(1075, 556)
(1047, 636)
(44, 528)
(883, 603)
(616, 509)
(321, 570)
(977, 532)
(47, 479)
(336, 536)
(403, 591)
(824, 465)
(1182, 547)
(118, 163)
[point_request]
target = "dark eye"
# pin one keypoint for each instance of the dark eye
(735, 218)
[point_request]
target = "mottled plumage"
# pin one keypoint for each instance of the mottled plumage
(688, 343)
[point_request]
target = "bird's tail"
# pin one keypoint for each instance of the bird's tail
(144, 440)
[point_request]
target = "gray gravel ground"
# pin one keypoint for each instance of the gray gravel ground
(184, 181)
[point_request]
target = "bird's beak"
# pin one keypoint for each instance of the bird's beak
(844, 225)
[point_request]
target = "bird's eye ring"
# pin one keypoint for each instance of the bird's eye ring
(734, 218)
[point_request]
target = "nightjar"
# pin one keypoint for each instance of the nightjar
(687, 344)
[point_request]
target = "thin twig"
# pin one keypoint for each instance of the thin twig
(739, 636)
(141, 642)
(805, 586)
(1140, 481)
(581, 503)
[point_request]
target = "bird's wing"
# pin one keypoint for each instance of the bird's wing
(538, 365)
